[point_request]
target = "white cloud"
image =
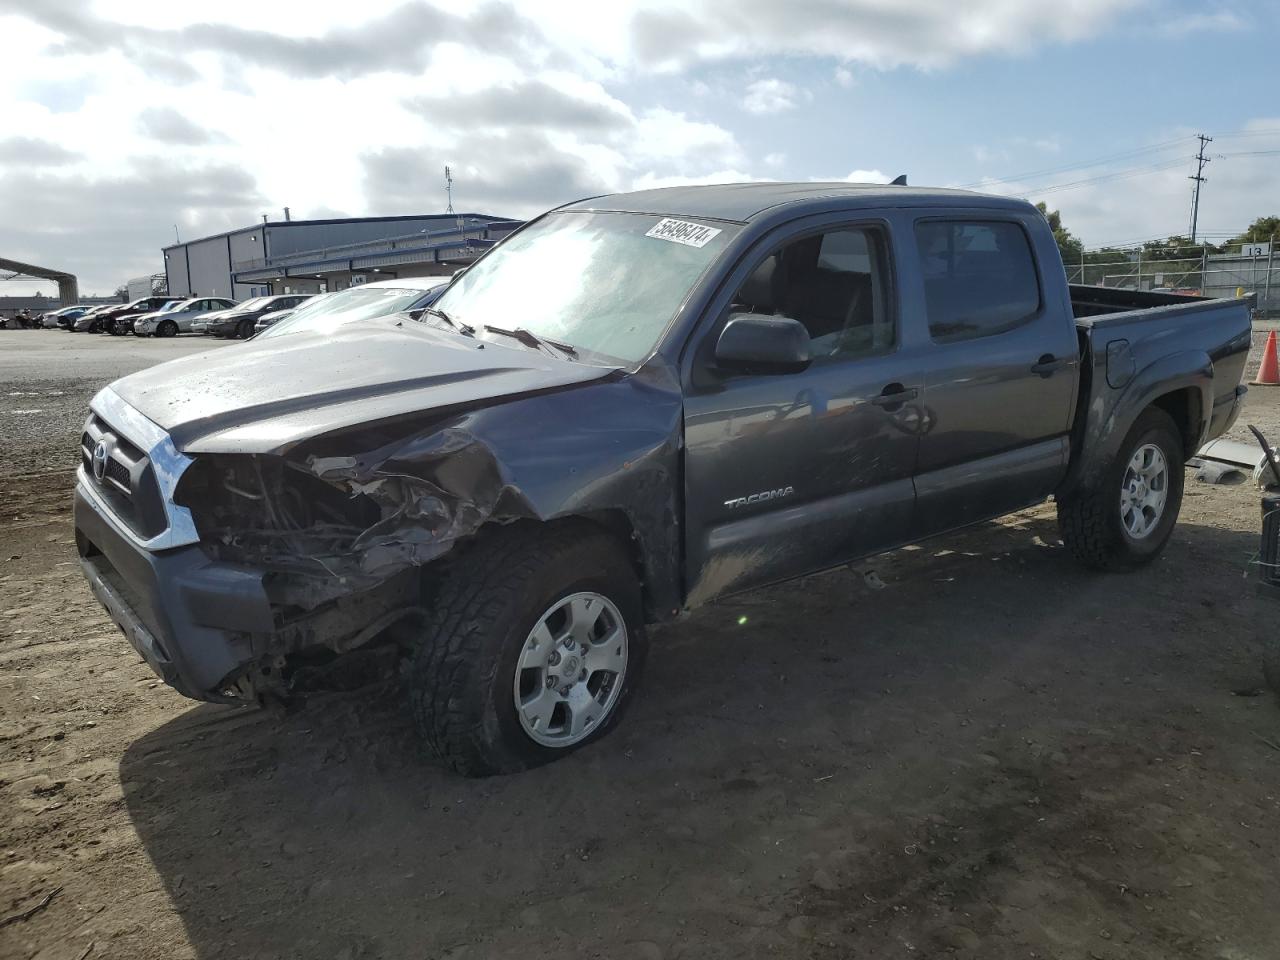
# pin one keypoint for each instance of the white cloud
(866, 176)
(919, 33)
(1217, 21)
(649, 181)
(770, 95)
(309, 107)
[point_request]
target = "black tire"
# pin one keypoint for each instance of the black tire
(244, 330)
(462, 675)
(1090, 519)
(167, 328)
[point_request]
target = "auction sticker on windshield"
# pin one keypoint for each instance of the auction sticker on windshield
(682, 231)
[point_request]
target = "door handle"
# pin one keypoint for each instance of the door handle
(894, 396)
(1048, 365)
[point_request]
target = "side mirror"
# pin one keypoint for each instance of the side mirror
(755, 341)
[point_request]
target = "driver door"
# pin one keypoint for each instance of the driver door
(790, 473)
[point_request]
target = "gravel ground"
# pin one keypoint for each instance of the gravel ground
(982, 752)
(47, 378)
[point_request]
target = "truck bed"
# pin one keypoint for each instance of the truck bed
(1087, 301)
(1185, 353)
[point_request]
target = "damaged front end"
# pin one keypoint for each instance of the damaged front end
(338, 540)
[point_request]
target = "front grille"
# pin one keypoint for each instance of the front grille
(1270, 553)
(128, 484)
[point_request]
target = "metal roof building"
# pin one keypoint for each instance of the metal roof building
(311, 256)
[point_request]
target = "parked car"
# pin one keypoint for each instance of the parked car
(239, 323)
(201, 325)
(727, 386)
(378, 299)
(91, 320)
(275, 316)
(179, 316)
(122, 325)
(108, 320)
(63, 317)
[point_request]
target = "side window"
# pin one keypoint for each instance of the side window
(835, 284)
(979, 278)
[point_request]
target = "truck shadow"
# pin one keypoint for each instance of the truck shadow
(767, 726)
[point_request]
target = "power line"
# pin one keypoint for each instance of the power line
(1104, 177)
(1082, 165)
(1271, 132)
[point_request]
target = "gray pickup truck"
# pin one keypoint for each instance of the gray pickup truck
(632, 406)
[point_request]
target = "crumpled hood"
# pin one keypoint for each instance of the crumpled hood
(264, 396)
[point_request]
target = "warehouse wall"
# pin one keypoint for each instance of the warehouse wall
(286, 238)
(210, 268)
(176, 271)
(244, 247)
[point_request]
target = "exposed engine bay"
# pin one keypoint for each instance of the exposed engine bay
(339, 541)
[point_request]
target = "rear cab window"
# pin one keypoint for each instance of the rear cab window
(980, 277)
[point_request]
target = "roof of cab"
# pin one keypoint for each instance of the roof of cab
(744, 201)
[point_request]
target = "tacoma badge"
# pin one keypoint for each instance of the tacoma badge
(762, 497)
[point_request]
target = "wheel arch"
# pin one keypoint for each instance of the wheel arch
(1186, 407)
(1180, 384)
(658, 588)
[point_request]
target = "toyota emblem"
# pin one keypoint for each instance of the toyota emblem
(100, 460)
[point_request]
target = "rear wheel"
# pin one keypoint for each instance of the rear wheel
(1125, 520)
(167, 328)
(534, 645)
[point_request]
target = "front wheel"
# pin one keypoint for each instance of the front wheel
(167, 329)
(1125, 520)
(533, 647)
(245, 330)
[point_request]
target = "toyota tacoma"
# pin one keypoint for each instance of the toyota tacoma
(632, 406)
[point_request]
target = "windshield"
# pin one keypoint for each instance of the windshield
(175, 305)
(608, 283)
(326, 313)
(248, 304)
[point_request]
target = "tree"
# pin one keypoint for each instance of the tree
(1068, 245)
(1174, 248)
(1260, 231)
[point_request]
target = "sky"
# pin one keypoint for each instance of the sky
(125, 122)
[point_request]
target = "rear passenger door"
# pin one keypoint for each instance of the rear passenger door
(1000, 372)
(787, 473)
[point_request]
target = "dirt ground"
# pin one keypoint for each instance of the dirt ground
(993, 755)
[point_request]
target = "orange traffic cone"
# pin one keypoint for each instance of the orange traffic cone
(1269, 372)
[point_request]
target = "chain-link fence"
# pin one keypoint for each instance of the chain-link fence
(1255, 269)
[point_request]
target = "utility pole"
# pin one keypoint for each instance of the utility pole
(1271, 259)
(1199, 178)
(448, 189)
